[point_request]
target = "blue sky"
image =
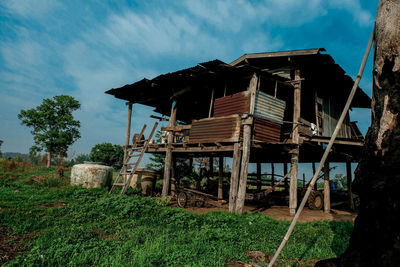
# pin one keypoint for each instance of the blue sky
(83, 48)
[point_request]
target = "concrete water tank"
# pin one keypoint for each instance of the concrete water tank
(91, 175)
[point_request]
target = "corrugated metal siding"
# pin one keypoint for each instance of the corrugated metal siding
(238, 103)
(269, 108)
(218, 129)
(266, 131)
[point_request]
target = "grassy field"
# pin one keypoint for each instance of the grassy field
(51, 223)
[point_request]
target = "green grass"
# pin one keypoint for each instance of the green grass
(95, 228)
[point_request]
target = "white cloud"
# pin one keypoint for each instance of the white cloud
(362, 16)
(29, 8)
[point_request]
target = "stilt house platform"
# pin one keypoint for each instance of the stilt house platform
(277, 108)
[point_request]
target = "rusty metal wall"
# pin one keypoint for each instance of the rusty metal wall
(238, 103)
(269, 108)
(266, 131)
(217, 129)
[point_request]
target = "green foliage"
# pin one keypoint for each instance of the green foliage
(77, 226)
(109, 154)
(82, 158)
(53, 126)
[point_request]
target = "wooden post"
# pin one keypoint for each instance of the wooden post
(349, 192)
(247, 123)
(173, 176)
(313, 171)
(244, 169)
(211, 103)
(272, 174)
(258, 176)
(327, 193)
(234, 177)
(221, 178)
(127, 138)
(210, 175)
(285, 171)
(293, 181)
(295, 140)
(168, 154)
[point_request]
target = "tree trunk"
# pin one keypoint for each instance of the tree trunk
(375, 240)
(48, 159)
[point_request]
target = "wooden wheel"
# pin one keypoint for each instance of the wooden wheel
(182, 199)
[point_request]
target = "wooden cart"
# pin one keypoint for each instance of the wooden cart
(189, 197)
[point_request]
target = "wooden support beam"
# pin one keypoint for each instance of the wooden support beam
(295, 140)
(210, 175)
(173, 176)
(327, 193)
(211, 103)
(237, 154)
(244, 169)
(168, 154)
(247, 125)
(127, 138)
(259, 176)
(272, 174)
(221, 178)
(294, 163)
(349, 180)
(313, 171)
(285, 171)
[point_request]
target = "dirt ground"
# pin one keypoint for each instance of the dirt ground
(12, 245)
(282, 213)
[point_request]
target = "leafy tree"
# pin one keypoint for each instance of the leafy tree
(53, 126)
(109, 154)
(82, 158)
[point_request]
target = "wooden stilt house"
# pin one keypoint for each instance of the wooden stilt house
(278, 107)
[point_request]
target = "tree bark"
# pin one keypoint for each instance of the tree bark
(375, 240)
(48, 159)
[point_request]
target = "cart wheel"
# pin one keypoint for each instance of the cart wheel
(200, 202)
(182, 199)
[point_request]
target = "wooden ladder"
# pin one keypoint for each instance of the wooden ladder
(136, 152)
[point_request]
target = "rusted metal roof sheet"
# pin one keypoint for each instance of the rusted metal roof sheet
(266, 131)
(269, 108)
(217, 129)
(238, 103)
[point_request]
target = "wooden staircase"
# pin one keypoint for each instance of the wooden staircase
(132, 157)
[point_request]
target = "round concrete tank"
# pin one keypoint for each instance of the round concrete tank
(91, 175)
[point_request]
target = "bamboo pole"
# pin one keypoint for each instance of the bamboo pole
(326, 153)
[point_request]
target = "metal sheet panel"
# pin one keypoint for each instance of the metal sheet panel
(269, 108)
(217, 129)
(266, 131)
(238, 103)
